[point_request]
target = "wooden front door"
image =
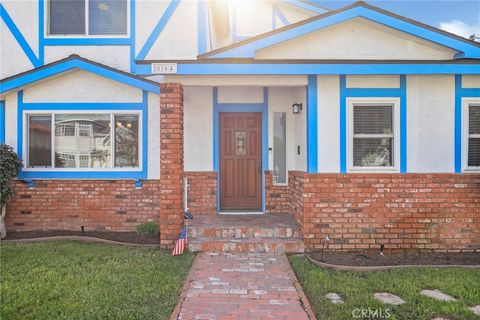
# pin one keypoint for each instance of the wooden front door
(240, 161)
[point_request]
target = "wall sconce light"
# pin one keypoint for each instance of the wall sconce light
(297, 107)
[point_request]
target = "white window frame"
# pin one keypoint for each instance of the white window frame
(395, 103)
(47, 34)
(466, 103)
(112, 114)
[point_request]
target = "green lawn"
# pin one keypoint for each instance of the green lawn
(357, 290)
(74, 280)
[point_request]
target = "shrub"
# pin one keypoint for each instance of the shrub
(9, 167)
(148, 229)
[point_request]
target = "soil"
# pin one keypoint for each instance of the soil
(395, 259)
(128, 237)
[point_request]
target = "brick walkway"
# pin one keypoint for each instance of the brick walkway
(242, 286)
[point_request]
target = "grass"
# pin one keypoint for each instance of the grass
(72, 280)
(357, 290)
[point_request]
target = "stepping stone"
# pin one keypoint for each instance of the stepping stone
(476, 310)
(440, 318)
(389, 298)
(437, 294)
(334, 298)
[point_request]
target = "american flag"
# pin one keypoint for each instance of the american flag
(181, 243)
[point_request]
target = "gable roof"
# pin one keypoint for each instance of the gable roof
(76, 62)
(247, 48)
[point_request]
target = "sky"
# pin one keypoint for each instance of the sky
(461, 17)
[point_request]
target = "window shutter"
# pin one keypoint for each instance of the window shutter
(67, 17)
(372, 120)
(474, 136)
(107, 17)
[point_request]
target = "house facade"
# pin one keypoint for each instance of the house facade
(362, 124)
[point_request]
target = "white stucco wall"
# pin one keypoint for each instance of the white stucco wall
(471, 81)
(240, 95)
(11, 120)
(430, 128)
(374, 81)
(300, 130)
(238, 80)
(81, 86)
(328, 99)
(178, 39)
(12, 59)
(357, 39)
(198, 128)
(153, 160)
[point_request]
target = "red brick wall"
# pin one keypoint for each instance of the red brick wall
(70, 204)
(202, 192)
(277, 197)
(295, 184)
(404, 211)
(171, 163)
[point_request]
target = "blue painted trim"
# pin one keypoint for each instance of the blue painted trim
(400, 92)
(158, 29)
(2, 121)
(461, 92)
(132, 37)
(343, 123)
(403, 123)
(86, 41)
(19, 37)
(276, 12)
(306, 6)
(41, 32)
(80, 64)
(202, 26)
(312, 125)
(239, 107)
(326, 69)
(100, 106)
(248, 49)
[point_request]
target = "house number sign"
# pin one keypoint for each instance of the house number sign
(164, 68)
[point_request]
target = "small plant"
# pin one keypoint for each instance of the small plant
(9, 167)
(148, 229)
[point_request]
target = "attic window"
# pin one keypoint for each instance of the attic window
(88, 17)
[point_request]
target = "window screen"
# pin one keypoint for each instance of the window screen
(67, 17)
(279, 148)
(372, 136)
(474, 136)
(107, 17)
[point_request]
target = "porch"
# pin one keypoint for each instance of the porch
(245, 233)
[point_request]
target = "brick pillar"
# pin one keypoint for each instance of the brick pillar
(171, 163)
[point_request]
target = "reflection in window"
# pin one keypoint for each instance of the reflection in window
(82, 140)
(279, 148)
(126, 141)
(39, 141)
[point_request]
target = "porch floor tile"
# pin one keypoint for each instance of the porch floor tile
(243, 286)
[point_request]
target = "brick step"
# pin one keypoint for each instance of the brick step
(292, 245)
(245, 232)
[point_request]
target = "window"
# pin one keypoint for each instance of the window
(472, 134)
(88, 17)
(373, 135)
(83, 140)
(279, 148)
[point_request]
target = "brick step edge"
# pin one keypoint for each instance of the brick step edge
(245, 232)
(247, 245)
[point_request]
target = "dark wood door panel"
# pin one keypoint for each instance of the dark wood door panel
(240, 160)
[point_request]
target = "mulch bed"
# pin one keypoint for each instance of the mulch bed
(395, 259)
(127, 237)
